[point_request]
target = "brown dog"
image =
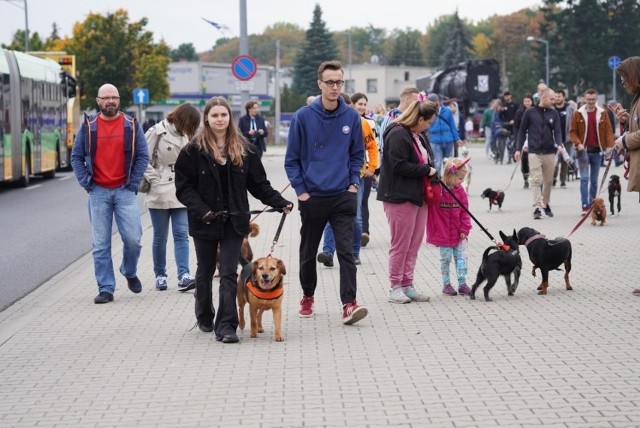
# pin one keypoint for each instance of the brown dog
(599, 212)
(246, 253)
(261, 284)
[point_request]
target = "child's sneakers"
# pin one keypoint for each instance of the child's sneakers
(396, 295)
(415, 295)
(449, 290)
(464, 290)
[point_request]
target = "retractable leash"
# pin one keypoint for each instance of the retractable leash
(602, 181)
(499, 244)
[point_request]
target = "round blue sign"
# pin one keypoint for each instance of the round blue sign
(614, 62)
(244, 67)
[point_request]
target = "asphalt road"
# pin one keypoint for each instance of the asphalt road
(43, 229)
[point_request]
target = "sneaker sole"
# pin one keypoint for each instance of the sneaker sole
(356, 316)
(400, 302)
(423, 300)
(161, 288)
(305, 316)
(187, 288)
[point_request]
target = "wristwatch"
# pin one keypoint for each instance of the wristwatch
(356, 185)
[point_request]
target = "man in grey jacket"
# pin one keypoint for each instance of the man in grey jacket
(541, 126)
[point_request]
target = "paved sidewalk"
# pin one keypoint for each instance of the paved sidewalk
(568, 359)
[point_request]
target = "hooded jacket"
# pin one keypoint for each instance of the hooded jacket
(325, 149)
(136, 156)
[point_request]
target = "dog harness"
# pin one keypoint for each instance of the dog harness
(272, 294)
(533, 238)
(494, 201)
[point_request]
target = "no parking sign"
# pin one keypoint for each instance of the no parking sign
(244, 67)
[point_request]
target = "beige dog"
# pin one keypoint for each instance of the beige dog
(261, 284)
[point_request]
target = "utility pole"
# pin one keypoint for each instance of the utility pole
(244, 46)
(277, 94)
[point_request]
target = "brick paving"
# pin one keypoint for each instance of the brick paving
(568, 359)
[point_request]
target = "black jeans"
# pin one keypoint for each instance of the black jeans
(368, 182)
(340, 212)
(226, 322)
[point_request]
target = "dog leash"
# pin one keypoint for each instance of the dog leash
(499, 244)
(275, 238)
(604, 178)
(265, 208)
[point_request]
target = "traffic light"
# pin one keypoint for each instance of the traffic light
(69, 83)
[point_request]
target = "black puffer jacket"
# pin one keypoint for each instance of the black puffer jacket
(198, 187)
(401, 172)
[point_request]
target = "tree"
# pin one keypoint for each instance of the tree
(184, 52)
(17, 43)
(406, 49)
(110, 49)
(318, 47)
(436, 40)
(458, 43)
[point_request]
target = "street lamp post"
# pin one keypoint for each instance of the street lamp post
(26, 22)
(546, 45)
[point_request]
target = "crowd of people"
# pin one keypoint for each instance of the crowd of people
(198, 170)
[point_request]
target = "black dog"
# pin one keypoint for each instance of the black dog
(496, 197)
(546, 254)
(614, 190)
(501, 262)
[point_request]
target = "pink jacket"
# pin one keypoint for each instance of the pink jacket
(447, 220)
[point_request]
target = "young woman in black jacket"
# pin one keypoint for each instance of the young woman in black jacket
(213, 174)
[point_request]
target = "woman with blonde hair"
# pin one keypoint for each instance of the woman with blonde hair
(214, 172)
(406, 162)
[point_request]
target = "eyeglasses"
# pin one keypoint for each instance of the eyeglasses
(333, 83)
(109, 98)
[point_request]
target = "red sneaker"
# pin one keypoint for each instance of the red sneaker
(352, 313)
(306, 307)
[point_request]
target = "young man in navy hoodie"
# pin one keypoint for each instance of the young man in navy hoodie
(325, 153)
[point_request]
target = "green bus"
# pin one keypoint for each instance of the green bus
(34, 115)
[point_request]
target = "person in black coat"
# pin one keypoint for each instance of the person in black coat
(253, 127)
(213, 174)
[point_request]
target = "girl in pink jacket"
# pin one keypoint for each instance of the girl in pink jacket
(448, 226)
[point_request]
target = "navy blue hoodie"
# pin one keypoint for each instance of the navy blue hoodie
(325, 150)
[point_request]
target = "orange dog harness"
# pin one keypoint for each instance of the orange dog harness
(265, 295)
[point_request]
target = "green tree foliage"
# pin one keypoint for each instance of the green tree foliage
(111, 49)
(17, 43)
(458, 44)
(583, 34)
(290, 101)
(436, 40)
(184, 52)
(318, 47)
(406, 48)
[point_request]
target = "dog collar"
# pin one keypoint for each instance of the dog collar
(533, 238)
(274, 293)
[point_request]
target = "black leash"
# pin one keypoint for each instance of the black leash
(275, 238)
(495, 241)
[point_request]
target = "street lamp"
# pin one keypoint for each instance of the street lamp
(26, 22)
(349, 57)
(546, 45)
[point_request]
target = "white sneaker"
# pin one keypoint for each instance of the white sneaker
(396, 295)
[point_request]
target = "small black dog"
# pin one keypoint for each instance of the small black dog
(496, 197)
(546, 254)
(500, 262)
(614, 190)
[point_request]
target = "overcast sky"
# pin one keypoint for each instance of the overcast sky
(180, 21)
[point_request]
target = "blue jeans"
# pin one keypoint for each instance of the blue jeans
(104, 206)
(589, 164)
(180, 228)
(441, 151)
(329, 242)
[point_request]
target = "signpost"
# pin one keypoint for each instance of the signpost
(140, 97)
(614, 62)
